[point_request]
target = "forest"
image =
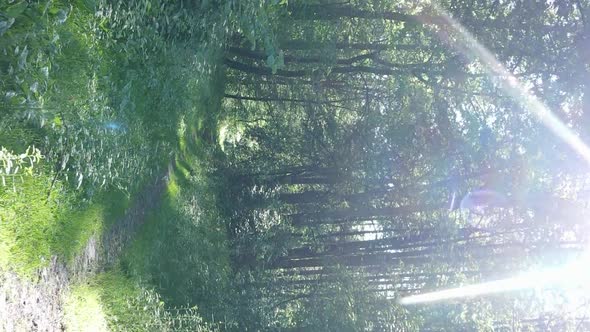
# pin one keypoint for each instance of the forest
(294, 165)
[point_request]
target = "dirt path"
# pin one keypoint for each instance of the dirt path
(37, 305)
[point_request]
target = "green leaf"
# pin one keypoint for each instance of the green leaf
(5, 25)
(15, 10)
(271, 62)
(281, 59)
(57, 121)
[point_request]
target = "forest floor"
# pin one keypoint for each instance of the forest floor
(37, 304)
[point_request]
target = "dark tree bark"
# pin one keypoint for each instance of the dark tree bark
(289, 100)
(303, 45)
(416, 257)
(256, 55)
(345, 215)
(263, 71)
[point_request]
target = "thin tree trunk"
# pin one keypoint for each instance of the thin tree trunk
(340, 216)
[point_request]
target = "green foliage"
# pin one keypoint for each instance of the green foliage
(13, 165)
(183, 249)
(103, 89)
(36, 225)
(333, 121)
(257, 22)
(376, 108)
(98, 89)
(113, 302)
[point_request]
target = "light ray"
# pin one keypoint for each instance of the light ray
(511, 85)
(530, 280)
(565, 276)
(571, 275)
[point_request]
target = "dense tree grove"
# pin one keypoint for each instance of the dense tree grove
(349, 141)
(337, 138)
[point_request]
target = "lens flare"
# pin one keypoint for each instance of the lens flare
(477, 289)
(569, 276)
(575, 273)
(510, 84)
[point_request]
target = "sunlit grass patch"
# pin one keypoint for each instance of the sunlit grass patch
(83, 310)
(122, 300)
(77, 226)
(36, 222)
(113, 302)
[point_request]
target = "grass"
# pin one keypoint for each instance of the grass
(45, 215)
(77, 74)
(34, 225)
(83, 309)
(182, 248)
(90, 68)
(119, 300)
(111, 302)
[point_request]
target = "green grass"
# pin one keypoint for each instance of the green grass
(42, 217)
(35, 225)
(182, 248)
(76, 226)
(83, 309)
(115, 67)
(112, 301)
(85, 73)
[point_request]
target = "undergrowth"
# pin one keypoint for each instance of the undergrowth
(114, 302)
(111, 92)
(182, 248)
(37, 225)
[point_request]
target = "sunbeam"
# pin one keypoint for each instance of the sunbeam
(569, 276)
(565, 276)
(512, 86)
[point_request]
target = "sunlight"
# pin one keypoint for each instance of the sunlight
(512, 86)
(534, 279)
(569, 276)
(575, 273)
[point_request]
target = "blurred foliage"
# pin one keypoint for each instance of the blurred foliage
(13, 165)
(113, 302)
(160, 255)
(36, 225)
(310, 146)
